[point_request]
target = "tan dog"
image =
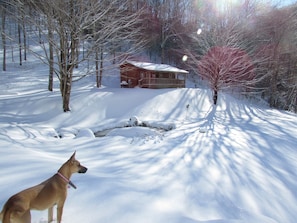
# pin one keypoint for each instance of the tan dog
(42, 196)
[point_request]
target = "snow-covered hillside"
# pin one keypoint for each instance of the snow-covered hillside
(236, 162)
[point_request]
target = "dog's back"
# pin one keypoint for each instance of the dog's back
(18, 205)
(1, 214)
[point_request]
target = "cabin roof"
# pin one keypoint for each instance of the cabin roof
(155, 67)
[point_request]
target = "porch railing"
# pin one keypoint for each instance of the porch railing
(161, 83)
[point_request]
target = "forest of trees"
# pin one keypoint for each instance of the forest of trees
(248, 47)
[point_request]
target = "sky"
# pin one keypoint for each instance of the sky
(284, 2)
(222, 4)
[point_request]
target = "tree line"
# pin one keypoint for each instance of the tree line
(248, 47)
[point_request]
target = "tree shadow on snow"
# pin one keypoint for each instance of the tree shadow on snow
(242, 162)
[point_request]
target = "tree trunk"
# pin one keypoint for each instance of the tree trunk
(71, 61)
(162, 55)
(67, 82)
(215, 96)
(273, 80)
(101, 66)
(39, 30)
(24, 38)
(99, 70)
(66, 70)
(4, 37)
(97, 67)
(51, 56)
(20, 43)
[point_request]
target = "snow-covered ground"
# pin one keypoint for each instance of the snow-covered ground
(236, 162)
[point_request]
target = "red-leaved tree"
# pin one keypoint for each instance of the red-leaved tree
(226, 67)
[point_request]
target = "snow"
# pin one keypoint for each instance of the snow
(193, 163)
(156, 67)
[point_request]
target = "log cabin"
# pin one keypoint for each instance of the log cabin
(151, 75)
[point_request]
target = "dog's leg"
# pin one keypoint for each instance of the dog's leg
(18, 217)
(60, 212)
(27, 217)
(50, 215)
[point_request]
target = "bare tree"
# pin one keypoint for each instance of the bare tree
(269, 24)
(3, 8)
(15, 34)
(164, 25)
(106, 23)
(277, 28)
(115, 30)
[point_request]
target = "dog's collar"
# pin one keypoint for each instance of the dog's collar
(67, 180)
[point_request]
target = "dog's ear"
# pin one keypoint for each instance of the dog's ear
(73, 156)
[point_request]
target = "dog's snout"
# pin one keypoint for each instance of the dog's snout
(82, 169)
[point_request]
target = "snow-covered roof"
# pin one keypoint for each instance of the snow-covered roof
(156, 67)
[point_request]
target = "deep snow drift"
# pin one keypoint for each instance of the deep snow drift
(236, 162)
